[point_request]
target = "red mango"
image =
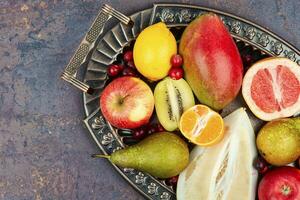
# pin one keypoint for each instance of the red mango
(211, 61)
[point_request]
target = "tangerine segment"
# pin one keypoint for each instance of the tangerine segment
(201, 125)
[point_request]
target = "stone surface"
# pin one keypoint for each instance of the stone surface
(44, 146)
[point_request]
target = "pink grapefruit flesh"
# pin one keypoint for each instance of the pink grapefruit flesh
(271, 88)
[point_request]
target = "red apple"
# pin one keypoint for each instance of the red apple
(282, 183)
(127, 102)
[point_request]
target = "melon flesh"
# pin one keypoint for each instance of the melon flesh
(223, 171)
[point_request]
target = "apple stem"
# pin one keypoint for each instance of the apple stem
(100, 156)
(123, 99)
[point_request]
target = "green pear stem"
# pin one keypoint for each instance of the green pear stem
(100, 156)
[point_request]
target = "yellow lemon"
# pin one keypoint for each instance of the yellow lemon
(153, 50)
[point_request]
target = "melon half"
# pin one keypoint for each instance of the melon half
(271, 88)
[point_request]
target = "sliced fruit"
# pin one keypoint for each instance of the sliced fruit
(201, 125)
(171, 99)
(225, 171)
(271, 88)
(153, 50)
(279, 141)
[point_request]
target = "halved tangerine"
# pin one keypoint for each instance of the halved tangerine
(201, 125)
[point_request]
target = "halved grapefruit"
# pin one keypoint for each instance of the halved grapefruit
(271, 88)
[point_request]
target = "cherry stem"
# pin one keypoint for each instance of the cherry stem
(100, 156)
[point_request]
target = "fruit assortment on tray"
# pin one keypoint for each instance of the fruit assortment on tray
(171, 98)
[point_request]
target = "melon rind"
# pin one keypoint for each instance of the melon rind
(247, 81)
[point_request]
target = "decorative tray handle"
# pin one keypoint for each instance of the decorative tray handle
(88, 43)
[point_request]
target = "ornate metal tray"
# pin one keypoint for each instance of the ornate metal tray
(111, 45)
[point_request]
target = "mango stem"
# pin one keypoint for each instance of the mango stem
(100, 156)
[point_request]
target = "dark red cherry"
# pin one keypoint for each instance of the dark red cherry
(172, 181)
(128, 72)
(176, 60)
(261, 165)
(113, 70)
(139, 133)
(176, 73)
(128, 56)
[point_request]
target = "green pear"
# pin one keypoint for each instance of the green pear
(162, 155)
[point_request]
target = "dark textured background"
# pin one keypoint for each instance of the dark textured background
(44, 147)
